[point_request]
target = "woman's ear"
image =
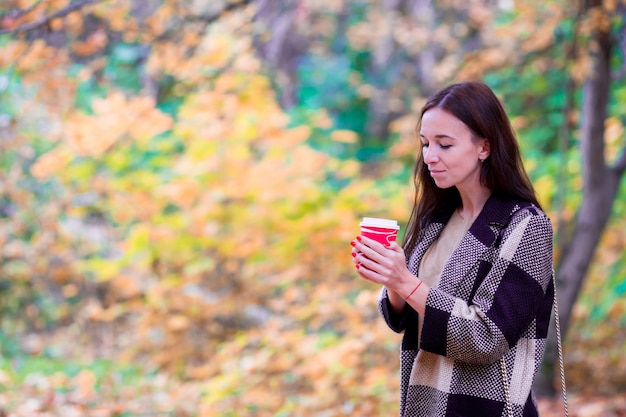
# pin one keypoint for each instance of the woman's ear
(484, 150)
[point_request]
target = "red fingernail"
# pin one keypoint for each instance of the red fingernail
(358, 238)
(354, 254)
(353, 243)
(357, 266)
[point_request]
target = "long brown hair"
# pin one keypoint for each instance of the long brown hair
(475, 104)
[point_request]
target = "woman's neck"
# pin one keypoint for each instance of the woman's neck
(472, 202)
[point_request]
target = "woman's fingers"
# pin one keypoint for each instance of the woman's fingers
(380, 264)
(368, 257)
(382, 258)
(363, 269)
(370, 248)
(355, 253)
(365, 262)
(395, 247)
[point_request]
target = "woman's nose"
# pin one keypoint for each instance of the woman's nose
(429, 155)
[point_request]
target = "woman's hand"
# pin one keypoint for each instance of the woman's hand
(386, 265)
(382, 265)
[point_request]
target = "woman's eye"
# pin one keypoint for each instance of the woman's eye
(424, 145)
(446, 146)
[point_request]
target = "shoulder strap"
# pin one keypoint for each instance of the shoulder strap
(559, 346)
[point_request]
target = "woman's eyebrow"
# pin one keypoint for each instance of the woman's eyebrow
(439, 136)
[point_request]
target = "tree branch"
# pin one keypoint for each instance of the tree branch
(45, 20)
(17, 13)
(206, 19)
(594, 108)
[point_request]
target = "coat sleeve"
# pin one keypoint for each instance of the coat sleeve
(506, 302)
(396, 322)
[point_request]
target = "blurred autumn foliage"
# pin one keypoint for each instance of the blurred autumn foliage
(180, 181)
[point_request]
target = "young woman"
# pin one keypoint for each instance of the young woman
(472, 286)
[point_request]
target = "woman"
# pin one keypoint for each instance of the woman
(472, 287)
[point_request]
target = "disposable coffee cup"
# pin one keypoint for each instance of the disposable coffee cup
(384, 231)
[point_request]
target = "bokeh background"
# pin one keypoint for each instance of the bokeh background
(180, 181)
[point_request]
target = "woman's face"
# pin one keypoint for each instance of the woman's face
(451, 155)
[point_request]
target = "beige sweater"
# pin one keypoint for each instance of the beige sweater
(440, 251)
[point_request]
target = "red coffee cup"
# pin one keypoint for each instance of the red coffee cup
(384, 231)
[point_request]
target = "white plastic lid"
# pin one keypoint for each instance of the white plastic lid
(375, 222)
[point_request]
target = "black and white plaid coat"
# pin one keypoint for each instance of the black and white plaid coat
(493, 300)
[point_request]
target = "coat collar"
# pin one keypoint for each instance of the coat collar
(495, 213)
(482, 235)
(494, 216)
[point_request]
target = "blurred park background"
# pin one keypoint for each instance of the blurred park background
(180, 181)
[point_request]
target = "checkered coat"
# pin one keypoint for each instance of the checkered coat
(493, 300)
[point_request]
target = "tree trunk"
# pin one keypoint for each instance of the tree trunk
(425, 14)
(383, 68)
(600, 185)
(280, 45)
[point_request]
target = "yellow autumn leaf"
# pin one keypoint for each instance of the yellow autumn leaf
(149, 124)
(545, 188)
(92, 135)
(182, 192)
(227, 82)
(110, 104)
(125, 286)
(306, 161)
(10, 52)
(220, 387)
(51, 162)
(94, 43)
(348, 169)
(84, 384)
(247, 63)
(178, 323)
(294, 136)
(322, 120)
(36, 54)
(344, 136)
(5, 379)
(216, 50)
(614, 131)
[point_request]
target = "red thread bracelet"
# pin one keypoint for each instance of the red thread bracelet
(414, 289)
